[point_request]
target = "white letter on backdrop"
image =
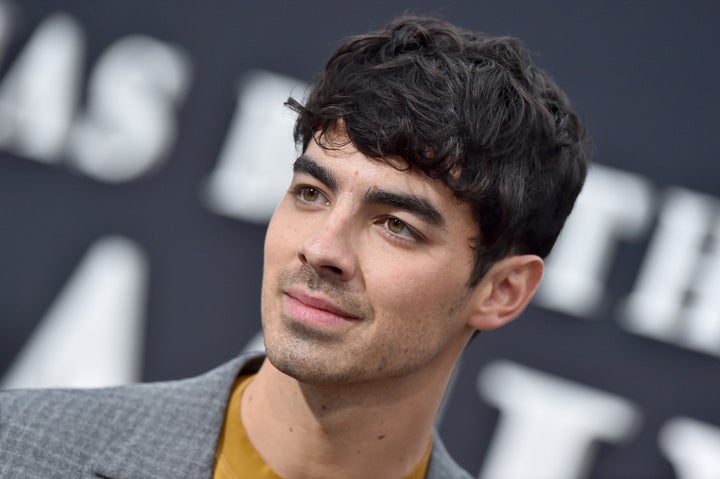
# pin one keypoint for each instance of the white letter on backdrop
(130, 123)
(255, 164)
(548, 426)
(677, 294)
(38, 95)
(92, 334)
(613, 205)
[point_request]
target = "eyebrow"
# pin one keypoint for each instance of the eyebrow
(309, 167)
(410, 203)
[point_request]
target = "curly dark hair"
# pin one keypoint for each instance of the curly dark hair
(467, 108)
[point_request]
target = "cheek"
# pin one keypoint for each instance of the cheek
(282, 236)
(416, 289)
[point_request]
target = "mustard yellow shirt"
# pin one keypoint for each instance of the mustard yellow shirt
(236, 458)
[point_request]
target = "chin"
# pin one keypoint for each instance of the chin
(297, 366)
(310, 369)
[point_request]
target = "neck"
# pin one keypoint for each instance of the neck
(377, 430)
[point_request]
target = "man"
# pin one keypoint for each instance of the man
(438, 167)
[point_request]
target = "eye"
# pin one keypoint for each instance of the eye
(310, 195)
(395, 225)
(398, 229)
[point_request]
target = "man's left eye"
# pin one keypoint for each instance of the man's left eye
(400, 230)
(396, 226)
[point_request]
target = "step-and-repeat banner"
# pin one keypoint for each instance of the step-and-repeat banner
(143, 146)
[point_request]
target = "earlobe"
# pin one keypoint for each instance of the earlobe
(505, 291)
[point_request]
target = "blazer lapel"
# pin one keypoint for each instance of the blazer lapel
(173, 428)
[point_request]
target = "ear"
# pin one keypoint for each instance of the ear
(505, 291)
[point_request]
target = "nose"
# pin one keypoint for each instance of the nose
(330, 250)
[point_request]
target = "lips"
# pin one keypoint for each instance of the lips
(316, 310)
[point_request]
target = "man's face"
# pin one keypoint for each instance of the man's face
(366, 270)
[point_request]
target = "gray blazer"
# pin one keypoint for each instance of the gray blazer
(162, 430)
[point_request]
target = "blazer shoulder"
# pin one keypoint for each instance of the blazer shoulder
(56, 431)
(63, 429)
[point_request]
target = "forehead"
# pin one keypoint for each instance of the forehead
(347, 165)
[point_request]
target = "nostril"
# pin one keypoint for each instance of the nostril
(327, 256)
(335, 269)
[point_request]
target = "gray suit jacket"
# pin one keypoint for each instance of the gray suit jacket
(163, 430)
